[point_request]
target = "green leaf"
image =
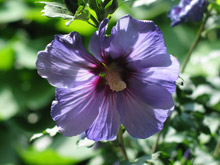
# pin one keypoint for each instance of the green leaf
(51, 131)
(72, 5)
(85, 143)
(205, 59)
(67, 147)
(202, 157)
(11, 11)
(8, 104)
(212, 23)
(138, 3)
(93, 4)
(54, 9)
(109, 3)
(6, 58)
(111, 6)
(8, 154)
(145, 160)
(49, 157)
(173, 136)
(191, 106)
(212, 122)
(25, 55)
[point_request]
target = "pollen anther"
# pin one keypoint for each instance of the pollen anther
(114, 81)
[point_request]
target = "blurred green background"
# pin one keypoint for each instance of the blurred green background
(25, 97)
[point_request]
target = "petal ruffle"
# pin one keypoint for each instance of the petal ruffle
(65, 63)
(160, 69)
(141, 118)
(106, 124)
(74, 110)
(187, 11)
(136, 39)
(99, 43)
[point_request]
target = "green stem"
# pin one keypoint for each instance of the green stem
(121, 144)
(156, 142)
(195, 42)
(217, 149)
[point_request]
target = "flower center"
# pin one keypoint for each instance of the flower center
(114, 81)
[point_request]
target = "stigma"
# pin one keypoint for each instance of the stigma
(114, 81)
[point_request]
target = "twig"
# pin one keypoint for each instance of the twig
(156, 143)
(195, 42)
(121, 144)
(217, 149)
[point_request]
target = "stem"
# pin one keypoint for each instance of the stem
(217, 149)
(156, 143)
(195, 42)
(121, 144)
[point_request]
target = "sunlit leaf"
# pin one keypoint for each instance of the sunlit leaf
(50, 131)
(85, 143)
(145, 160)
(54, 9)
(138, 3)
(11, 11)
(212, 122)
(6, 58)
(205, 59)
(8, 104)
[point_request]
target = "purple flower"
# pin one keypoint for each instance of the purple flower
(187, 10)
(128, 80)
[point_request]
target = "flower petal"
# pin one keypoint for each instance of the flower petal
(152, 94)
(99, 43)
(75, 109)
(187, 11)
(159, 69)
(136, 39)
(65, 63)
(106, 124)
(140, 119)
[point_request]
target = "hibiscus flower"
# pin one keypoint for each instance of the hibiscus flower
(128, 80)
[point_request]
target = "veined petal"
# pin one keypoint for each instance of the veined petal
(74, 110)
(107, 122)
(162, 70)
(139, 118)
(65, 63)
(154, 95)
(99, 42)
(136, 39)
